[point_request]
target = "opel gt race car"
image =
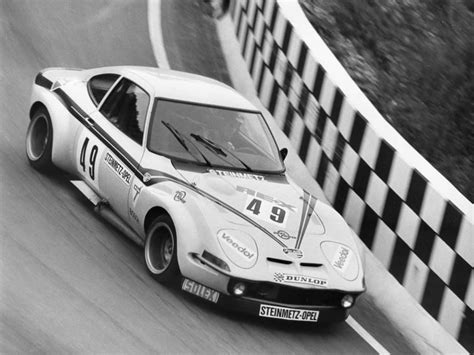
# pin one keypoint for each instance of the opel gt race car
(189, 169)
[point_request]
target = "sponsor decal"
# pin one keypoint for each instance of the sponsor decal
(146, 177)
(118, 168)
(237, 174)
(133, 215)
(199, 290)
(267, 198)
(137, 189)
(293, 253)
(135, 192)
(238, 246)
(284, 235)
(299, 279)
(288, 313)
(341, 258)
(179, 196)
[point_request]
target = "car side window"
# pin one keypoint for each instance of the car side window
(126, 108)
(99, 85)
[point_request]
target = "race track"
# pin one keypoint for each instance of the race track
(70, 282)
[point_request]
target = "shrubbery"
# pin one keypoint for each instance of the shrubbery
(414, 59)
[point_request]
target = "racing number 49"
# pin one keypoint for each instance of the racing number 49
(277, 214)
(92, 158)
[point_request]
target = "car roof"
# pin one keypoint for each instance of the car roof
(182, 86)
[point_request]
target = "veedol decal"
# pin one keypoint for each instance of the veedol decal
(266, 198)
(200, 290)
(299, 279)
(179, 196)
(118, 168)
(293, 253)
(288, 313)
(239, 247)
(236, 174)
(284, 235)
(341, 258)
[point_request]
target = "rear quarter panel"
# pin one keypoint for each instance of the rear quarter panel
(65, 127)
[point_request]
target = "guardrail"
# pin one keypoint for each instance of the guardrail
(414, 221)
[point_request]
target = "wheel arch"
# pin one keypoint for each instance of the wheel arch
(153, 213)
(36, 106)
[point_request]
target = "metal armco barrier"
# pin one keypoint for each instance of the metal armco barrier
(423, 235)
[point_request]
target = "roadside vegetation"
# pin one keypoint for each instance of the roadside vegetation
(414, 59)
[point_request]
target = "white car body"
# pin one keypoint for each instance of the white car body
(306, 248)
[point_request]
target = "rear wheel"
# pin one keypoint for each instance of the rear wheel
(39, 141)
(161, 250)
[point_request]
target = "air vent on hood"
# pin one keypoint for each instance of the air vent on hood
(279, 261)
(311, 264)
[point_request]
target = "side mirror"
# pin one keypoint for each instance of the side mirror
(283, 153)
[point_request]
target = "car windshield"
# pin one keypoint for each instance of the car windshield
(213, 136)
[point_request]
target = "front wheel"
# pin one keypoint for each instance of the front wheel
(39, 141)
(161, 250)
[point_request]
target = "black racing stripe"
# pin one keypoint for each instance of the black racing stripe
(76, 111)
(72, 107)
(155, 176)
(117, 150)
(310, 211)
(160, 177)
(42, 81)
(304, 211)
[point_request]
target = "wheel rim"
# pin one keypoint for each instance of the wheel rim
(38, 135)
(159, 248)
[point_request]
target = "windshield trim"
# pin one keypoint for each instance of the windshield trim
(174, 158)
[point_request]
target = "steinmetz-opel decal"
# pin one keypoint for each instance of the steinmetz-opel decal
(118, 168)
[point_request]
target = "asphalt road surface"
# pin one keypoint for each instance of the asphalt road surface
(69, 282)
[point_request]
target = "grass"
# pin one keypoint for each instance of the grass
(414, 59)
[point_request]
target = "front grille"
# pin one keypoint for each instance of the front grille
(267, 291)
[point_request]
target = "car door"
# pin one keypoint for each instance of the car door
(120, 121)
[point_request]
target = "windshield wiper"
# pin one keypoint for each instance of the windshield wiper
(218, 149)
(181, 139)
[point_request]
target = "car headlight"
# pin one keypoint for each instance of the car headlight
(342, 259)
(347, 301)
(239, 247)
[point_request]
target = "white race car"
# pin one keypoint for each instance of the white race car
(188, 168)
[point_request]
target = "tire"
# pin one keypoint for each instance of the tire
(39, 141)
(161, 250)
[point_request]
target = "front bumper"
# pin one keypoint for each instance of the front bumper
(316, 311)
(320, 314)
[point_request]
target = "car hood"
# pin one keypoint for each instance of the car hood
(272, 229)
(273, 202)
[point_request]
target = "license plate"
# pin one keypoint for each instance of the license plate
(200, 290)
(288, 313)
